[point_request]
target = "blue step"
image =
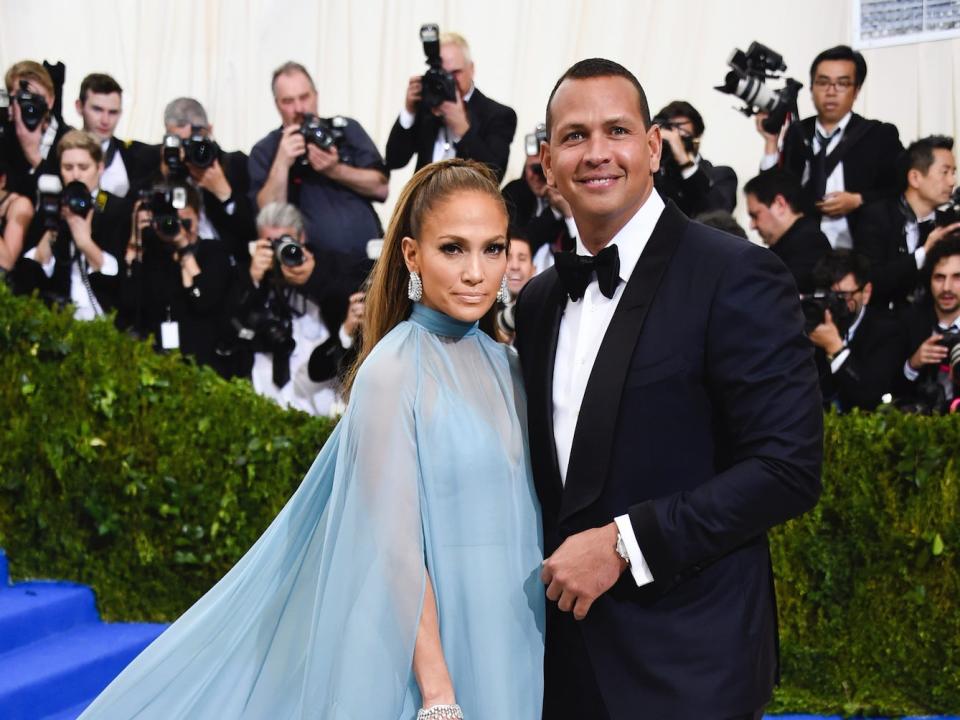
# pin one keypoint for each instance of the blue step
(31, 611)
(63, 670)
(71, 713)
(4, 571)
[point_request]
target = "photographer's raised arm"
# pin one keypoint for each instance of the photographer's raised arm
(292, 146)
(368, 182)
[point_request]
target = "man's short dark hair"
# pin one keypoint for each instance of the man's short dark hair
(836, 265)
(947, 247)
(919, 154)
(514, 232)
(842, 52)
(681, 108)
(722, 220)
(776, 181)
(599, 68)
(99, 83)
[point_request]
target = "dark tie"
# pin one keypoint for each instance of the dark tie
(818, 168)
(576, 271)
(925, 227)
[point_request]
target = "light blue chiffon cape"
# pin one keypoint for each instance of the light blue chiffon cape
(428, 471)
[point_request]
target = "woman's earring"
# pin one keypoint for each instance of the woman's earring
(504, 294)
(415, 287)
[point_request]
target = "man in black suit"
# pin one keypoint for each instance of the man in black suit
(897, 233)
(775, 208)
(843, 159)
(860, 347)
(472, 126)
(694, 183)
(126, 164)
(674, 417)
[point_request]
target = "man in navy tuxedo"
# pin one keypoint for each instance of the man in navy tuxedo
(674, 417)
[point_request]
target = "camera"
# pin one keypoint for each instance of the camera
(52, 195)
(815, 305)
(287, 251)
(77, 199)
(164, 203)
(531, 143)
(438, 86)
(949, 212)
(747, 80)
(4, 110)
(690, 144)
(326, 133)
(951, 341)
(199, 150)
(171, 151)
(33, 107)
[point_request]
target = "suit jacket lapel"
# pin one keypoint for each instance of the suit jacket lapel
(597, 422)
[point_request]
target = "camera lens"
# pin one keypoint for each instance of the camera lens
(201, 151)
(77, 198)
(288, 251)
(167, 224)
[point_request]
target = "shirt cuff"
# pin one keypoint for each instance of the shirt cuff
(638, 564)
(346, 341)
(920, 255)
(909, 373)
(769, 161)
(689, 172)
(571, 227)
(839, 360)
(406, 119)
(31, 254)
(109, 267)
(230, 206)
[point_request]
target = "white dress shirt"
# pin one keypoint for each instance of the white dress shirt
(841, 357)
(836, 229)
(115, 179)
(443, 146)
(582, 328)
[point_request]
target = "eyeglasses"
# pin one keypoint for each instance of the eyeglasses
(842, 85)
(847, 294)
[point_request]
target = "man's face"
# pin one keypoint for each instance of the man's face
(32, 87)
(100, 113)
(185, 132)
(275, 232)
(769, 221)
(294, 96)
(535, 180)
(600, 155)
(945, 285)
(937, 185)
(456, 64)
(188, 216)
(519, 265)
(77, 164)
(834, 89)
(855, 295)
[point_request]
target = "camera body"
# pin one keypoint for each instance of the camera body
(287, 251)
(33, 107)
(531, 144)
(171, 151)
(438, 86)
(164, 203)
(815, 305)
(949, 212)
(53, 195)
(326, 133)
(690, 144)
(199, 150)
(747, 80)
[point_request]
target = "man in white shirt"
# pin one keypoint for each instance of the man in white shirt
(671, 424)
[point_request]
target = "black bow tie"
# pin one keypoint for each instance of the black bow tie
(576, 271)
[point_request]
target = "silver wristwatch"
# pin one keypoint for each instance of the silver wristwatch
(622, 549)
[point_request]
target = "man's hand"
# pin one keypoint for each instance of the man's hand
(292, 146)
(826, 335)
(323, 161)
(301, 273)
(45, 247)
(938, 234)
(837, 204)
(675, 139)
(770, 140)
(557, 201)
(212, 178)
(414, 93)
(584, 567)
(142, 218)
(929, 353)
(29, 139)
(454, 114)
(353, 320)
(261, 260)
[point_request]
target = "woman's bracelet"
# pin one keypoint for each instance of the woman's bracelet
(440, 712)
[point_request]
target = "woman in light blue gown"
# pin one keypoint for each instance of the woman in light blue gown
(402, 577)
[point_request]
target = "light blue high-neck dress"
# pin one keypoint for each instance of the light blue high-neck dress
(428, 471)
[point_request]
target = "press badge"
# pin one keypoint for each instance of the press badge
(170, 335)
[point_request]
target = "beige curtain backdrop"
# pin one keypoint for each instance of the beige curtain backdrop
(362, 52)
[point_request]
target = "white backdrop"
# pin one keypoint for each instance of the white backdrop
(362, 52)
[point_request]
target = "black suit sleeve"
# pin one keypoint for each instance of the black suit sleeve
(894, 274)
(489, 142)
(401, 144)
(887, 148)
(871, 370)
(233, 219)
(764, 390)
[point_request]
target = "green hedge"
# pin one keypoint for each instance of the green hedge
(147, 477)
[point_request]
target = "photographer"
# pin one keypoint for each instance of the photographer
(843, 159)
(896, 234)
(333, 186)
(33, 131)
(282, 318)
(932, 372)
(775, 208)
(463, 123)
(16, 213)
(177, 283)
(859, 348)
(691, 181)
(126, 164)
(537, 209)
(190, 156)
(520, 269)
(77, 234)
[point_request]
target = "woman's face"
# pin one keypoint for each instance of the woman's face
(460, 254)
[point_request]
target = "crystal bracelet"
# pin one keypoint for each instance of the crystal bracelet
(440, 712)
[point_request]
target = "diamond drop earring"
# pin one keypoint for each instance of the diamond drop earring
(415, 287)
(504, 293)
